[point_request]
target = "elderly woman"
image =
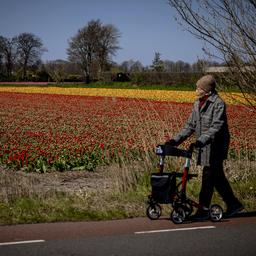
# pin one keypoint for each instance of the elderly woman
(208, 121)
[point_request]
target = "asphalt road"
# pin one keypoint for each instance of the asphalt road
(138, 236)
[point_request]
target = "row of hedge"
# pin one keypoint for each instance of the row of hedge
(171, 79)
(153, 78)
(139, 78)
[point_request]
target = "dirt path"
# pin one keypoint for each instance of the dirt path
(21, 183)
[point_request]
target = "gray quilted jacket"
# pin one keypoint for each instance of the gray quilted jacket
(211, 128)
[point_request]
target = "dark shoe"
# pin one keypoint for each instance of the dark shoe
(200, 215)
(234, 209)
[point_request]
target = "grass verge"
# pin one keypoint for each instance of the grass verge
(125, 199)
(58, 207)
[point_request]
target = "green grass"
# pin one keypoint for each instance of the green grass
(60, 206)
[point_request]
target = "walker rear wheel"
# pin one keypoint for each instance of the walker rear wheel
(154, 211)
(188, 208)
(216, 213)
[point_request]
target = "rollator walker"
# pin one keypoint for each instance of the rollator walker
(166, 189)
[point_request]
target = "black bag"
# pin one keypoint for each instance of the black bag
(163, 186)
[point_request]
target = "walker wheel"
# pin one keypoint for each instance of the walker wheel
(178, 215)
(188, 208)
(216, 213)
(154, 211)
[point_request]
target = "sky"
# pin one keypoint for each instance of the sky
(146, 27)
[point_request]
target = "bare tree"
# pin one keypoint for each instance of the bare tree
(108, 45)
(1, 65)
(8, 54)
(181, 66)
(30, 49)
(136, 67)
(229, 27)
(92, 46)
(169, 66)
(57, 70)
(126, 66)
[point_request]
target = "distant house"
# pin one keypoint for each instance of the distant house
(222, 69)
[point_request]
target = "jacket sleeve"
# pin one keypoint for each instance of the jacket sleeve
(218, 120)
(188, 129)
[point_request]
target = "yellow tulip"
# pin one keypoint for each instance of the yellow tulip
(158, 95)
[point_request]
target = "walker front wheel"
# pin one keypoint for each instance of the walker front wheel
(216, 213)
(154, 211)
(178, 215)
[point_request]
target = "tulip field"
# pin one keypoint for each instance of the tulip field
(167, 95)
(42, 129)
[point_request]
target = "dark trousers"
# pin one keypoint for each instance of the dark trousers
(214, 177)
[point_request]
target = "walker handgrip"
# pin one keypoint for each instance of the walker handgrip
(191, 147)
(168, 150)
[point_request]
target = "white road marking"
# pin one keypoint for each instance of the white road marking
(23, 242)
(172, 230)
